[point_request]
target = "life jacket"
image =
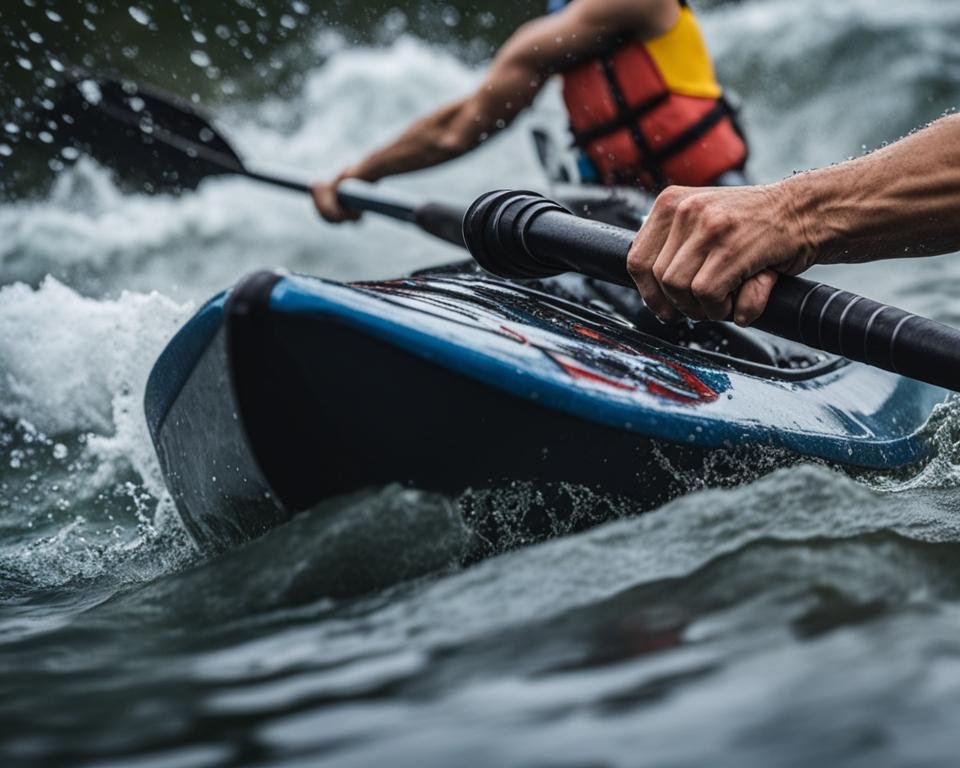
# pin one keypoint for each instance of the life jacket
(652, 113)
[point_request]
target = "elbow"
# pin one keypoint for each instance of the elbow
(459, 132)
(454, 142)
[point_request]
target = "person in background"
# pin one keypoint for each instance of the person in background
(710, 253)
(644, 105)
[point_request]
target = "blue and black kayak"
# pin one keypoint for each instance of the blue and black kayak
(289, 390)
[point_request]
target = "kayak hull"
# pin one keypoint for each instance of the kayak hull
(293, 390)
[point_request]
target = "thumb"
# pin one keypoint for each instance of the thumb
(753, 297)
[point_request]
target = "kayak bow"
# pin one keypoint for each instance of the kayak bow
(290, 390)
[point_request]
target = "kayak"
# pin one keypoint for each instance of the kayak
(289, 390)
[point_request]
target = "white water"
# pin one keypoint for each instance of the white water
(106, 278)
(74, 359)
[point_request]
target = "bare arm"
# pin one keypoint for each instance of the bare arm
(536, 51)
(707, 252)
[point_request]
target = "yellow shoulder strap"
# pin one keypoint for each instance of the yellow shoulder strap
(682, 57)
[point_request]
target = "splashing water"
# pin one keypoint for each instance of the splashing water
(806, 616)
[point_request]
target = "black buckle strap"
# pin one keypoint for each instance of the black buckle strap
(624, 119)
(694, 133)
(647, 162)
(628, 117)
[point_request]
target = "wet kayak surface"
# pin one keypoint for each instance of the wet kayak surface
(805, 616)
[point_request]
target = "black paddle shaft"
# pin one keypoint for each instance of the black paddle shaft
(162, 142)
(523, 235)
(156, 142)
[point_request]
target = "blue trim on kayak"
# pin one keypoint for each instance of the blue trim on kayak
(177, 361)
(547, 386)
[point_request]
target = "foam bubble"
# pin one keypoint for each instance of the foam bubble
(74, 364)
(98, 239)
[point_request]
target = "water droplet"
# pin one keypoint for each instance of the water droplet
(91, 92)
(288, 22)
(57, 65)
(46, 137)
(199, 36)
(12, 128)
(54, 16)
(70, 153)
(139, 15)
(25, 63)
(35, 37)
(450, 16)
(60, 451)
(5, 150)
(300, 7)
(200, 58)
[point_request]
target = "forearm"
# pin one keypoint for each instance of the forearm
(903, 200)
(440, 136)
(537, 50)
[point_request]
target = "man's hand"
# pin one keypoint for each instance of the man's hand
(328, 206)
(709, 253)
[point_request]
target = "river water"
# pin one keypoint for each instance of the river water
(805, 617)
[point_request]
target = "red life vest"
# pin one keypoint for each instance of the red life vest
(652, 114)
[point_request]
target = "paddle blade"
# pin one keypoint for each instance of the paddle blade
(152, 141)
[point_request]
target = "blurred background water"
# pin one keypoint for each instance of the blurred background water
(805, 617)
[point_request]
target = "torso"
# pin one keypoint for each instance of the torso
(651, 113)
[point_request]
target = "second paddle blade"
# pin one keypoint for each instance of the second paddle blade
(152, 141)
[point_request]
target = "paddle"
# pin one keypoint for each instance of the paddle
(158, 142)
(162, 143)
(524, 235)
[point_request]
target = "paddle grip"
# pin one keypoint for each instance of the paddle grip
(865, 330)
(524, 235)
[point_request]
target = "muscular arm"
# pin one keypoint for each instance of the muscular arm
(537, 50)
(707, 252)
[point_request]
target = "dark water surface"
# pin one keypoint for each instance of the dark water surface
(804, 618)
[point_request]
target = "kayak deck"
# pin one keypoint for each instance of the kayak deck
(297, 389)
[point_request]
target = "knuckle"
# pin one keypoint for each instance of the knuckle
(659, 271)
(674, 282)
(668, 200)
(713, 220)
(690, 208)
(635, 261)
(706, 289)
(709, 221)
